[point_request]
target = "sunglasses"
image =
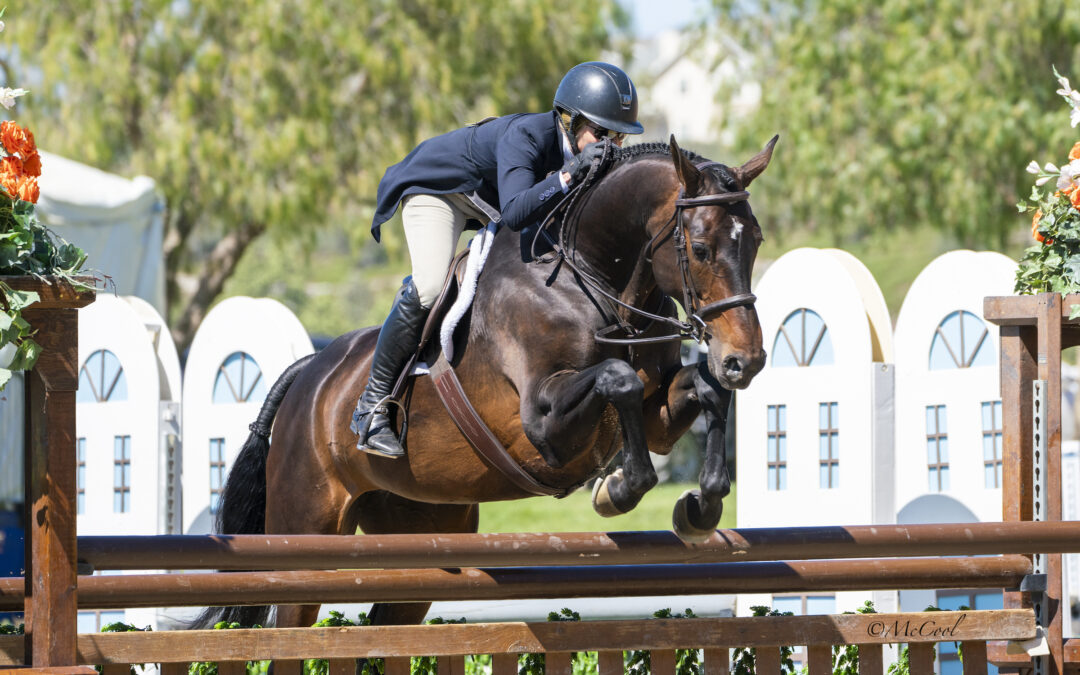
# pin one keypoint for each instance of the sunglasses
(601, 133)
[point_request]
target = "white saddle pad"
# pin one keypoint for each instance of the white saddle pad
(479, 248)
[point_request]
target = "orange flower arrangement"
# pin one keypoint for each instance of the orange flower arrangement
(1035, 227)
(1075, 152)
(20, 169)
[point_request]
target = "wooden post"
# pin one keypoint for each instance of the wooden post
(717, 662)
(50, 609)
(507, 664)
(1049, 364)
(921, 658)
(819, 660)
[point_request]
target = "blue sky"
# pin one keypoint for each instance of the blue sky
(653, 16)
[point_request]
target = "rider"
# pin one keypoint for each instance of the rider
(518, 162)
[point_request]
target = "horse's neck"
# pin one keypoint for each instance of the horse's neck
(611, 231)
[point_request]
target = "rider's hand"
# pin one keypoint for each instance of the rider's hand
(578, 165)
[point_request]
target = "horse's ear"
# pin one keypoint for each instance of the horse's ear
(688, 174)
(746, 173)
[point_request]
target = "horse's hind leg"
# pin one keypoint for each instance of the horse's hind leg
(387, 513)
(566, 407)
(284, 515)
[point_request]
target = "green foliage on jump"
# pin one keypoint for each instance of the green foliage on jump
(687, 661)
(744, 659)
(846, 658)
(272, 118)
(905, 113)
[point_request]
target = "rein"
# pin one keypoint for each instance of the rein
(695, 326)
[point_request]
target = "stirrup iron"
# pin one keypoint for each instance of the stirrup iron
(382, 407)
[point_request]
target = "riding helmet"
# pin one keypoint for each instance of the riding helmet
(603, 94)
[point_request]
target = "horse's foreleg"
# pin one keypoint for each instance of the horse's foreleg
(566, 408)
(697, 512)
(671, 410)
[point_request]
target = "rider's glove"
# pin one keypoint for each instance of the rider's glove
(578, 165)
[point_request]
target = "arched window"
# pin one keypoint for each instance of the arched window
(960, 341)
(803, 340)
(101, 379)
(239, 380)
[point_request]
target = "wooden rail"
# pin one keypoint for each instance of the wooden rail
(517, 583)
(505, 641)
(314, 551)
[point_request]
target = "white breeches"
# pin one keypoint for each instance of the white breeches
(433, 224)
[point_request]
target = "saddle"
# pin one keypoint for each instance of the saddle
(448, 387)
(429, 349)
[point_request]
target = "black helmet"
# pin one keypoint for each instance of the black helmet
(603, 94)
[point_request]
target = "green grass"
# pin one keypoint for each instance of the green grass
(575, 513)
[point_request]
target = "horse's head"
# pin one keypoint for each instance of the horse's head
(721, 238)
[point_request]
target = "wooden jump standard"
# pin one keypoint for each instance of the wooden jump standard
(50, 610)
(1033, 332)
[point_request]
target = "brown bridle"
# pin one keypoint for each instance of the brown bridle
(694, 328)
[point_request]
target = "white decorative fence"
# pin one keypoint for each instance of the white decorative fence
(241, 348)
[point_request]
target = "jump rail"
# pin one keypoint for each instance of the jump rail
(517, 583)
(312, 551)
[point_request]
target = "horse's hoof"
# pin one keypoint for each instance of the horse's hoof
(601, 500)
(680, 520)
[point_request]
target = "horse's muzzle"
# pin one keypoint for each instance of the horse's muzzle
(735, 371)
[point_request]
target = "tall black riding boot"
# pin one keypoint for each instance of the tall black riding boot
(398, 340)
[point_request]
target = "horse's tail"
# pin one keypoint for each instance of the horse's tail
(242, 509)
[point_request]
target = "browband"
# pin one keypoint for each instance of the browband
(708, 200)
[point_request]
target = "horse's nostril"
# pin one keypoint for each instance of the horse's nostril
(732, 364)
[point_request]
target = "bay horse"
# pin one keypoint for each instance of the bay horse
(660, 223)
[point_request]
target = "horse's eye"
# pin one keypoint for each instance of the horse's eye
(701, 251)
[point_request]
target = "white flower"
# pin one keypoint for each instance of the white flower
(8, 96)
(1070, 176)
(1, 26)
(1064, 82)
(1070, 94)
(1043, 181)
(1050, 168)
(7, 354)
(1033, 167)
(1074, 118)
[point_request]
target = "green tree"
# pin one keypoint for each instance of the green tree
(905, 112)
(277, 118)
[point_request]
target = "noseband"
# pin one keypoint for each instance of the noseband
(694, 328)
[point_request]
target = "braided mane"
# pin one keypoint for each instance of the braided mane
(642, 150)
(639, 150)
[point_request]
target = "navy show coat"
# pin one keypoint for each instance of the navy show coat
(512, 161)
